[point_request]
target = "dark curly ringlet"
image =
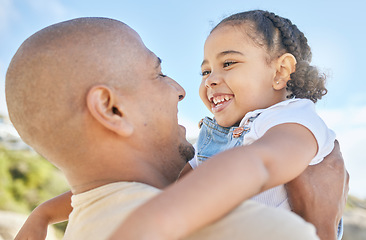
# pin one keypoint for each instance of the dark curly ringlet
(278, 36)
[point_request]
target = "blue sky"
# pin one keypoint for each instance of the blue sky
(176, 31)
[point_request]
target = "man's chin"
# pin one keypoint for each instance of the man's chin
(186, 151)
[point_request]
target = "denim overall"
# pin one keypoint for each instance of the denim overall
(214, 139)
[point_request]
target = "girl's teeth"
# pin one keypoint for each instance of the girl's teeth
(220, 99)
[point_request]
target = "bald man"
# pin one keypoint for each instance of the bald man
(91, 98)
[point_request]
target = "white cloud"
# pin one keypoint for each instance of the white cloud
(335, 64)
(350, 127)
(344, 119)
(353, 143)
(7, 14)
(192, 129)
(3, 109)
(52, 8)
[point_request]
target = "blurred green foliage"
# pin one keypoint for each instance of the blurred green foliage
(354, 202)
(26, 180)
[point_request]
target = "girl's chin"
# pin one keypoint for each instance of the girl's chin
(226, 123)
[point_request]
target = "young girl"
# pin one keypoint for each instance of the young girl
(258, 83)
(253, 62)
(246, 91)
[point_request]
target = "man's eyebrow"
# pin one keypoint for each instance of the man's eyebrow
(158, 62)
(224, 53)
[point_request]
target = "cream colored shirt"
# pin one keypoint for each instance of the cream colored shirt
(98, 212)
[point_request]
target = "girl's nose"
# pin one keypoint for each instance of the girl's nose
(212, 80)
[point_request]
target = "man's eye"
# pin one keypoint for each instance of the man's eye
(227, 64)
(162, 75)
(204, 73)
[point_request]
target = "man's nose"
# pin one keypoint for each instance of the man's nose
(180, 90)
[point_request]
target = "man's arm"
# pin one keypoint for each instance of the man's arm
(319, 194)
(52, 211)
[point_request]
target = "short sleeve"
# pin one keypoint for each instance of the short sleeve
(194, 162)
(300, 111)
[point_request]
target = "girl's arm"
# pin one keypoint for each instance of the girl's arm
(52, 211)
(187, 168)
(222, 183)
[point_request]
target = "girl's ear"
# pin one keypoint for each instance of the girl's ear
(286, 64)
(103, 105)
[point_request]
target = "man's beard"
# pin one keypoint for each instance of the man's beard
(186, 151)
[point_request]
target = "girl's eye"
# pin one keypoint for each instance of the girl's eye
(227, 64)
(162, 75)
(204, 73)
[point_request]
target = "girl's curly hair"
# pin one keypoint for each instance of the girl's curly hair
(278, 35)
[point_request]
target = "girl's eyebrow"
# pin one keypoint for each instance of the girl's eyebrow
(224, 53)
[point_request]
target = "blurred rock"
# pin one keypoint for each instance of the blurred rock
(10, 223)
(354, 224)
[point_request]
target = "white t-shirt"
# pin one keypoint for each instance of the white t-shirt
(300, 111)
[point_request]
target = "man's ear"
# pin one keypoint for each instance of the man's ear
(103, 105)
(285, 65)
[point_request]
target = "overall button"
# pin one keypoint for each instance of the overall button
(238, 132)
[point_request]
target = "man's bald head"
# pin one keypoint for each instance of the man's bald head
(51, 73)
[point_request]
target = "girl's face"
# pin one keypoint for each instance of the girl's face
(236, 76)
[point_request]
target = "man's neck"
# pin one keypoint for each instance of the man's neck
(102, 175)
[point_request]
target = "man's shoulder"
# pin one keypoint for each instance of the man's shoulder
(98, 212)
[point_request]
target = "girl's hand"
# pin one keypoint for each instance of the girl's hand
(35, 228)
(52, 211)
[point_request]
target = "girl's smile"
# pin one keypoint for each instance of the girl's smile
(220, 101)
